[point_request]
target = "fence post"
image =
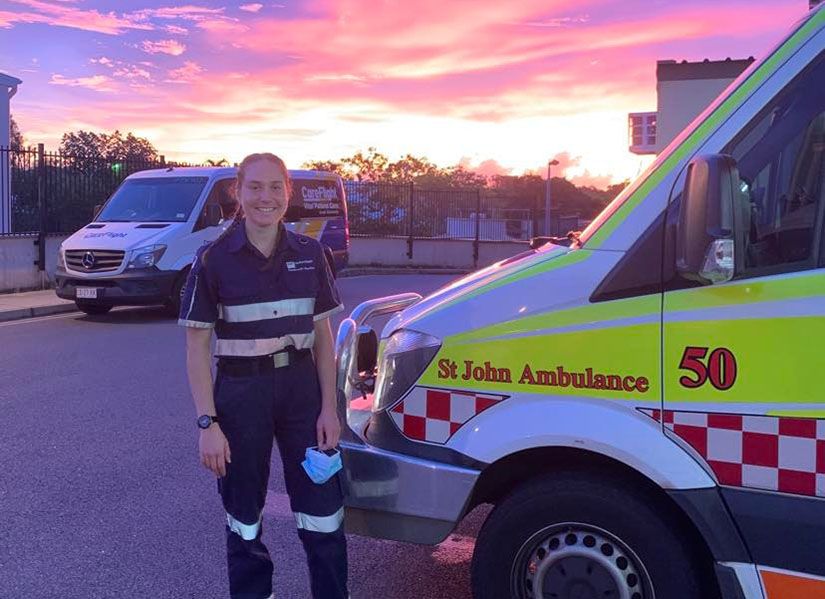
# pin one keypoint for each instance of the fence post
(478, 218)
(41, 203)
(410, 222)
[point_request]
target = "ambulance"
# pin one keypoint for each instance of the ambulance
(141, 244)
(641, 403)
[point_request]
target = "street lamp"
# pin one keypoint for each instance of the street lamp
(547, 198)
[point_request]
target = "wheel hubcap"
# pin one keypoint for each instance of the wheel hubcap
(578, 561)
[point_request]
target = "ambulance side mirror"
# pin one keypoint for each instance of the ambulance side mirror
(705, 242)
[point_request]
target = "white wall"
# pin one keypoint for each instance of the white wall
(443, 253)
(682, 101)
(18, 271)
(18, 268)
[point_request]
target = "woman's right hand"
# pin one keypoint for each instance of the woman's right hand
(214, 450)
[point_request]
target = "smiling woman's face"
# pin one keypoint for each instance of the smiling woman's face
(263, 193)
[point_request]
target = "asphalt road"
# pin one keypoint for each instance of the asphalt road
(101, 491)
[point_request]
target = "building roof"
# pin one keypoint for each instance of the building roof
(8, 80)
(670, 70)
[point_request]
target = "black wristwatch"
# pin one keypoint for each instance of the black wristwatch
(206, 421)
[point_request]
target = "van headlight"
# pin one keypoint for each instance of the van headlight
(61, 257)
(146, 257)
(404, 359)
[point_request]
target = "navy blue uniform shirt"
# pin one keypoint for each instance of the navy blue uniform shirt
(259, 305)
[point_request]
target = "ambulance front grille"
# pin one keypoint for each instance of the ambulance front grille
(94, 260)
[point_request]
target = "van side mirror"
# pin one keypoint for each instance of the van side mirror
(293, 213)
(705, 242)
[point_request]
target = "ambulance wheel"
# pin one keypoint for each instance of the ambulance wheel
(93, 309)
(572, 536)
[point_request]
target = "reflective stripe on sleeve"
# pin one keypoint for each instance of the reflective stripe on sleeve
(267, 310)
(196, 324)
(262, 347)
(194, 290)
(247, 532)
(320, 523)
(328, 313)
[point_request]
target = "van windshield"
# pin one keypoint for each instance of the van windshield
(161, 199)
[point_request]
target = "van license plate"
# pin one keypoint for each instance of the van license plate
(87, 292)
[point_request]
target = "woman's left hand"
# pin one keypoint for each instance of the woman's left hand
(328, 428)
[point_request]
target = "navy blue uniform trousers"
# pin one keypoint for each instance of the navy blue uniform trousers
(283, 405)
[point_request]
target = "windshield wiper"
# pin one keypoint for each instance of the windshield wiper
(572, 239)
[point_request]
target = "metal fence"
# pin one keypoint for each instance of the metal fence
(43, 193)
(46, 192)
(411, 211)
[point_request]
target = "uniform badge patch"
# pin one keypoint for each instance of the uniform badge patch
(295, 265)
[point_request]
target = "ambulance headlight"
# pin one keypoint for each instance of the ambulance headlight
(146, 257)
(61, 257)
(405, 357)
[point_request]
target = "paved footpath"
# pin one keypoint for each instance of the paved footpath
(14, 306)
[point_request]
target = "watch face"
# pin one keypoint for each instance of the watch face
(204, 421)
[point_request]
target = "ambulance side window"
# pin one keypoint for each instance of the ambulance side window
(781, 159)
(219, 205)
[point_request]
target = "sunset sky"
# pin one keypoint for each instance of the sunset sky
(498, 85)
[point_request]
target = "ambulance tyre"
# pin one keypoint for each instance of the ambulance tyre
(93, 309)
(575, 536)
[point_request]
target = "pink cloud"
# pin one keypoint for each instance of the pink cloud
(251, 7)
(62, 15)
(98, 83)
(486, 168)
(188, 12)
(223, 26)
(132, 72)
(175, 30)
(171, 47)
(188, 73)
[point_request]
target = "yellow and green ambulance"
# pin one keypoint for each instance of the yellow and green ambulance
(643, 405)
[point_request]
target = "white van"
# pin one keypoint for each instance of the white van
(140, 246)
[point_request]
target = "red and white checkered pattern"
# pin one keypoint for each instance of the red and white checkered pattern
(434, 415)
(762, 452)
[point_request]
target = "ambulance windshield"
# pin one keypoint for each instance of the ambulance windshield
(161, 199)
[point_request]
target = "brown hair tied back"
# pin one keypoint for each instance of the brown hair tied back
(239, 177)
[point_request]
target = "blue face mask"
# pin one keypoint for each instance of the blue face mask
(319, 466)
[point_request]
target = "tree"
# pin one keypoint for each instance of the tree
(221, 162)
(16, 141)
(376, 167)
(86, 145)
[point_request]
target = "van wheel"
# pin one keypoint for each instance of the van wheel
(571, 536)
(93, 309)
(172, 305)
